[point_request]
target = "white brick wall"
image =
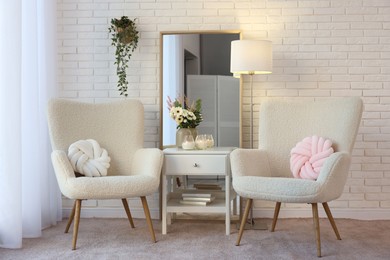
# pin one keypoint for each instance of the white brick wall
(321, 48)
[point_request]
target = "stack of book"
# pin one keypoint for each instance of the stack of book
(201, 199)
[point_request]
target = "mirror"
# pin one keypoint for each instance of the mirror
(197, 65)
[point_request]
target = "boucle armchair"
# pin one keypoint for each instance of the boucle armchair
(117, 126)
(265, 174)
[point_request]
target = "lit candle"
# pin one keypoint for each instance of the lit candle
(210, 143)
(188, 145)
(201, 144)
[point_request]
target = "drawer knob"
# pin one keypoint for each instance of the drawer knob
(196, 165)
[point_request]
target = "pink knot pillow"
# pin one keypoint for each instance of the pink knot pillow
(308, 156)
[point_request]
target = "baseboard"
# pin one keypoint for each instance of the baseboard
(111, 213)
(360, 214)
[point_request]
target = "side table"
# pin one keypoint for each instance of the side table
(213, 161)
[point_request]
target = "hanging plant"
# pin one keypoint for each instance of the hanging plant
(125, 38)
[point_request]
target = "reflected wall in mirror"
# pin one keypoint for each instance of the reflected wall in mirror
(197, 65)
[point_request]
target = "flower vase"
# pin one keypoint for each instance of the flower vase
(181, 132)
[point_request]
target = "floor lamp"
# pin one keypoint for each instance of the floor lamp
(251, 57)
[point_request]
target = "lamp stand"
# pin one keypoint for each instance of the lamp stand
(251, 57)
(251, 224)
(251, 111)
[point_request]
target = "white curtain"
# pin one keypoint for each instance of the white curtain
(29, 196)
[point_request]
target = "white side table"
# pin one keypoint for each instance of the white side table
(214, 161)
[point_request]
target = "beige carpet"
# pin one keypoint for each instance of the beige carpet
(293, 239)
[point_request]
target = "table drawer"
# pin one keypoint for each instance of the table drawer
(199, 164)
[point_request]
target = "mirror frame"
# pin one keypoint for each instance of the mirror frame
(162, 100)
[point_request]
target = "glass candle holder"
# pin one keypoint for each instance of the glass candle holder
(188, 142)
(201, 142)
(210, 141)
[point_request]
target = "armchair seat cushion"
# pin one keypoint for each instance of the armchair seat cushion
(278, 189)
(111, 187)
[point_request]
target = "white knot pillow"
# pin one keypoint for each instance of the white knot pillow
(308, 156)
(88, 158)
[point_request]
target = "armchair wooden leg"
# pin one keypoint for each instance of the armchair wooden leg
(331, 220)
(126, 206)
(148, 218)
(316, 223)
(76, 223)
(244, 219)
(276, 214)
(71, 216)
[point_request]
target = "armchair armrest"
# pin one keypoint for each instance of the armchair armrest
(61, 165)
(62, 168)
(147, 161)
(334, 174)
(249, 162)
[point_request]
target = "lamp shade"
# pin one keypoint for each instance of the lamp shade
(251, 57)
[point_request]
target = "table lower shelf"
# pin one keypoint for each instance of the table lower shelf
(217, 206)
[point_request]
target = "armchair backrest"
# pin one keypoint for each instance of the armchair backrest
(283, 123)
(117, 126)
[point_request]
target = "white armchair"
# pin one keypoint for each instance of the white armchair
(118, 127)
(264, 173)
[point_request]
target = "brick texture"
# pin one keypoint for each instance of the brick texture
(321, 49)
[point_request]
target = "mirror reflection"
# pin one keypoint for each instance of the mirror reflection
(197, 66)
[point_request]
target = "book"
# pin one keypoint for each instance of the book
(199, 203)
(199, 199)
(197, 195)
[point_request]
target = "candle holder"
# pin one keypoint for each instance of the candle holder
(188, 142)
(210, 141)
(201, 142)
